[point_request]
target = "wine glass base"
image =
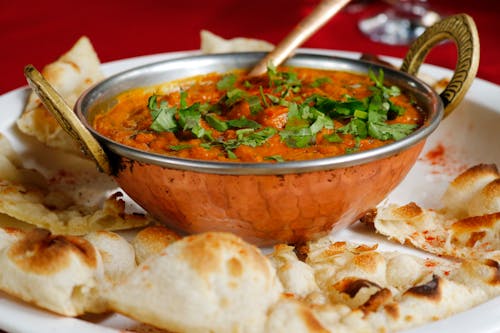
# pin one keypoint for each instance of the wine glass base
(391, 29)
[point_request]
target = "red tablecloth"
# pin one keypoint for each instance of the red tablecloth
(37, 32)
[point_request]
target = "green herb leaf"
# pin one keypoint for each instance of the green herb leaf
(334, 138)
(277, 158)
(322, 121)
(378, 80)
(207, 145)
(350, 150)
(298, 138)
(180, 147)
(163, 115)
(189, 120)
(303, 123)
(234, 95)
(182, 102)
(216, 123)
(255, 138)
(263, 97)
(274, 99)
(356, 127)
(283, 81)
(383, 131)
(254, 104)
(249, 137)
(227, 82)
(320, 81)
(243, 123)
(360, 114)
(379, 84)
(396, 110)
(231, 155)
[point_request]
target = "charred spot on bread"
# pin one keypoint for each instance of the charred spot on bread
(43, 253)
(351, 286)
(376, 300)
(430, 290)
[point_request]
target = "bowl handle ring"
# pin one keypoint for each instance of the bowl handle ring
(462, 30)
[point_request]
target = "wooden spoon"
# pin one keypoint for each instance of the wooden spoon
(309, 25)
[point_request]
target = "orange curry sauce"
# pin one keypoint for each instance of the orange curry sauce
(288, 114)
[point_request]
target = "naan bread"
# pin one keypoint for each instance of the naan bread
(151, 241)
(54, 212)
(211, 43)
(468, 226)
(296, 276)
(290, 315)
(9, 236)
(68, 275)
(479, 183)
(70, 75)
(11, 169)
(212, 282)
(216, 282)
(57, 273)
(362, 289)
(29, 197)
(117, 254)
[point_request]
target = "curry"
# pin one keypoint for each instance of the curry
(288, 114)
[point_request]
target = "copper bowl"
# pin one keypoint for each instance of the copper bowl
(267, 203)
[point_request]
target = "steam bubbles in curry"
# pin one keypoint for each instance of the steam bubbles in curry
(288, 114)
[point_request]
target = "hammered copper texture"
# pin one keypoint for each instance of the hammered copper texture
(264, 209)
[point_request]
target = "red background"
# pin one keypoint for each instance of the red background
(38, 32)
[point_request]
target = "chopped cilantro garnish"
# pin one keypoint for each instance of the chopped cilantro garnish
(350, 150)
(234, 95)
(304, 122)
(180, 147)
(360, 114)
(252, 138)
(333, 137)
(216, 123)
(249, 137)
(284, 82)
(169, 118)
(163, 115)
(263, 97)
(227, 82)
(254, 104)
(274, 99)
(243, 123)
(356, 127)
(385, 131)
(320, 81)
(277, 158)
(189, 120)
(306, 118)
(379, 84)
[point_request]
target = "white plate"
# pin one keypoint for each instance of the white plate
(470, 135)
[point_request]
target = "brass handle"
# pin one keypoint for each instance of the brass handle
(462, 30)
(66, 117)
(315, 20)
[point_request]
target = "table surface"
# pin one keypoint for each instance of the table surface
(38, 32)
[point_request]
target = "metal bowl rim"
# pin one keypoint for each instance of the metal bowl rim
(263, 168)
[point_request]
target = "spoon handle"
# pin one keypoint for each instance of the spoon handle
(309, 25)
(65, 116)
